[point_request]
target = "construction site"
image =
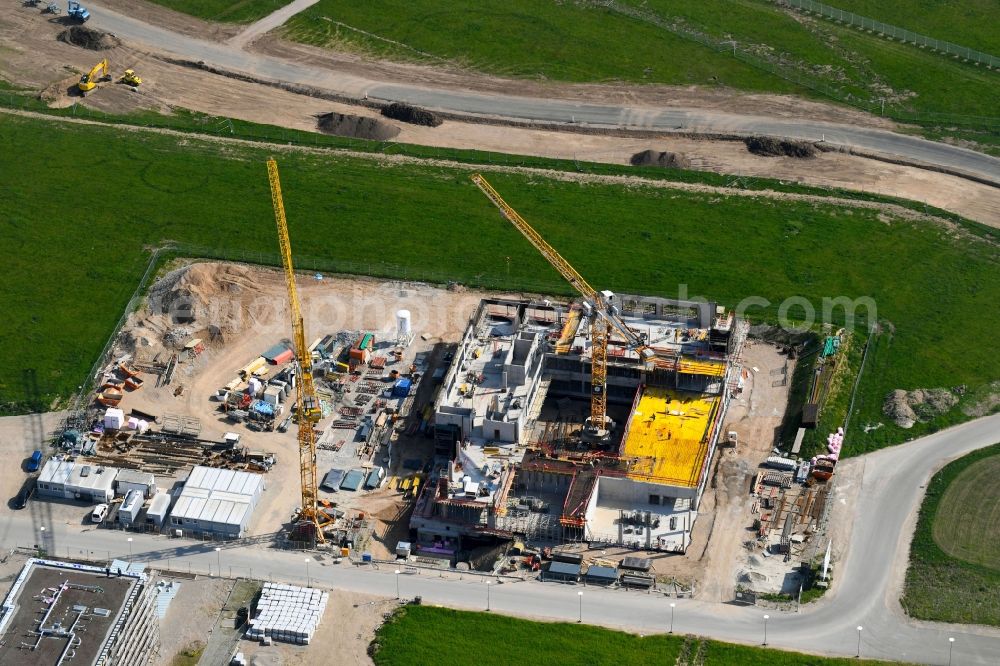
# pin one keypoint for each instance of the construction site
(614, 439)
(409, 426)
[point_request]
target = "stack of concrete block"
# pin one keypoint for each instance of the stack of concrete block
(288, 613)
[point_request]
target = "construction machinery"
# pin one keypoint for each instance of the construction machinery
(310, 519)
(98, 73)
(130, 78)
(597, 305)
(77, 12)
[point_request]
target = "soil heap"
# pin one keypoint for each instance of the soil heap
(411, 114)
(358, 127)
(88, 38)
(661, 159)
(905, 408)
(767, 146)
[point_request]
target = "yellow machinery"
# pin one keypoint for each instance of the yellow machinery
(308, 411)
(598, 305)
(130, 78)
(89, 80)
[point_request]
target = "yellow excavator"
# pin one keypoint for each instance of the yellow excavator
(90, 80)
(130, 78)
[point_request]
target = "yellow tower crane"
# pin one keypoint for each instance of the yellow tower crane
(599, 305)
(308, 410)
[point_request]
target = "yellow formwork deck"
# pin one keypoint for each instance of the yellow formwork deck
(709, 368)
(664, 442)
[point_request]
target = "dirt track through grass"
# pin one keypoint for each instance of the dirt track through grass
(967, 524)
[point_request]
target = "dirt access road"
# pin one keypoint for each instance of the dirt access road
(35, 59)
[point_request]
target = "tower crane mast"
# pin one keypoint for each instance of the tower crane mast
(604, 316)
(307, 403)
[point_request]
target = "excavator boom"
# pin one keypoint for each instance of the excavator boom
(89, 80)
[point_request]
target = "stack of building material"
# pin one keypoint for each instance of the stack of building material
(288, 613)
(114, 419)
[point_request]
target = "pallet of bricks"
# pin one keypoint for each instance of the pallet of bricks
(288, 613)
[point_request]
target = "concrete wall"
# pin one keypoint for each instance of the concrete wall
(502, 431)
(459, 416)
(630, 491)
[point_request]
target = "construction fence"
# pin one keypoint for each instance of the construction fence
(79, 401)
(893, 32)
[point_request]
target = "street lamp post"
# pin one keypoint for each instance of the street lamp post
(766, 618)
(859, 641)
(308, 579)
(487, 596)
(129, 550)
(672, 606)
(218, 557)
(397, 583)
(580, 596)
(951, 646)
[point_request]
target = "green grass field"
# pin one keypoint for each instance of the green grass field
(661, 45)
(227, 11)
(971, 23)
(154, 189)
(954, 571)
(967, 522)
(426, 634)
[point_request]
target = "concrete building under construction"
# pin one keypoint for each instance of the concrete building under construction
(505, 470)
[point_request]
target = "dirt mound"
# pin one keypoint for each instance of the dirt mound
(905, 408)
(986, 402)
(410, 114)
(770, 147)
(662, 159)
(88, 38)
(358, 127)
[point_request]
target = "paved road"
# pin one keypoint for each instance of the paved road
(865, 593)
(269, 22)
(231, 57)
